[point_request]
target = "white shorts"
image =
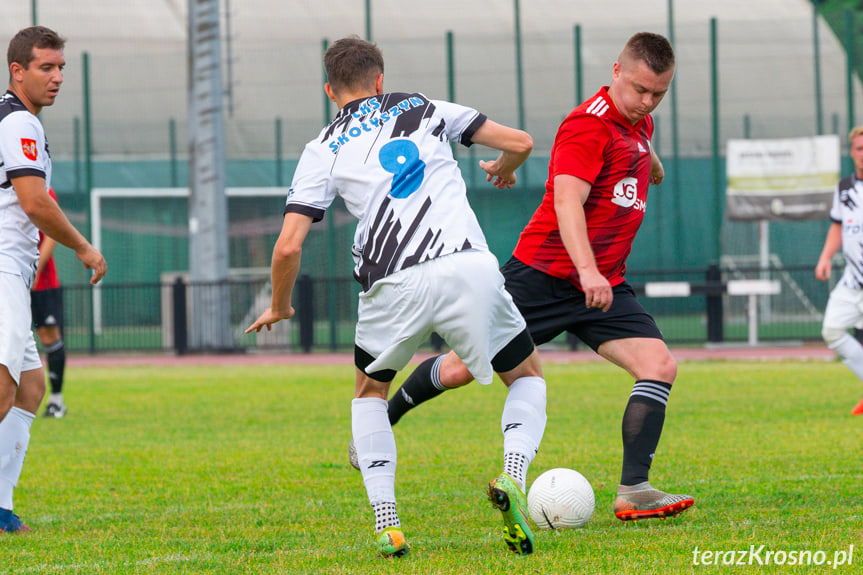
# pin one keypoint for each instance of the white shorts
(17, 347)
(460, 296)
(844, 308)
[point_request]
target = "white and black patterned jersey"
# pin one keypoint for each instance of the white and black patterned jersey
(23, 152)
(848, 210)
(389, 158)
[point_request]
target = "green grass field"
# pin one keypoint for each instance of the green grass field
(244, 470)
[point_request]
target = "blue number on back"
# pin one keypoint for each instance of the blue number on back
(402, 159)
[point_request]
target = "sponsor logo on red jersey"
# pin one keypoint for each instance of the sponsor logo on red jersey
(28, 146)
(625, 192)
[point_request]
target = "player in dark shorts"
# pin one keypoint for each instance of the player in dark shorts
(567, 270)
(46, 306)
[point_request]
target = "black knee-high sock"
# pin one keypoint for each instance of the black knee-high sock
(56, 365)
(642, 426)
(423, 384)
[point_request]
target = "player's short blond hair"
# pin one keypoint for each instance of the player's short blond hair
(858, 131)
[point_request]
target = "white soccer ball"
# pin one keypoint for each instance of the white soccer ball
(560, 499)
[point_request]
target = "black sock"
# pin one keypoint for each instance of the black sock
(56, 365)
(423, 384)
(642, 426)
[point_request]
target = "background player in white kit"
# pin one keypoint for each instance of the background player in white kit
(424, 265)
(35, 58)
(845, 306)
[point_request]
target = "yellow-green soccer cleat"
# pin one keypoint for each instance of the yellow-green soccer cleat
(392, 543)
(505, 495)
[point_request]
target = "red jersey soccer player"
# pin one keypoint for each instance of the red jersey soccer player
(567, 270)
(46, 305)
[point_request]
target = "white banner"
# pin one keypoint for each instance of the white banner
(788, 179)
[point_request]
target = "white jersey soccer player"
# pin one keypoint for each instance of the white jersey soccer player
(24, 152)
(424, 266)
(845, 306)
(36, 62)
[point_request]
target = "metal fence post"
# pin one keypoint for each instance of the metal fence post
(181, 334)
(714, 304)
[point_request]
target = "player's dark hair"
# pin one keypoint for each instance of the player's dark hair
(653, 49)
(353, 63)
(21, 45)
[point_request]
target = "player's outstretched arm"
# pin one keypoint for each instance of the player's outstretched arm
(515, 146)
(44, 212)
(287, 255)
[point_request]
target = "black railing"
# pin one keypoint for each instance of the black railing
(168, 317)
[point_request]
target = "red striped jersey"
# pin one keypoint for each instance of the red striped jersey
(597, 144)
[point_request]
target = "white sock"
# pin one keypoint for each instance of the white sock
(376, 448)
(523, 424)
(14, 438)
(850, 352)
(56, 398)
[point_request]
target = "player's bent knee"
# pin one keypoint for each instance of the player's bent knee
(453, 372)
(48, 335)
(660, 369)
(669, 370)
(369, 387)
(832, 335)
(31, 390)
